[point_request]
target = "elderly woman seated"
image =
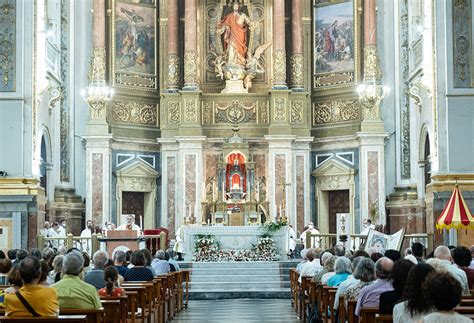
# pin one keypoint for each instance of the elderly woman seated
(342, 270)
(138, 272)
(365, 272)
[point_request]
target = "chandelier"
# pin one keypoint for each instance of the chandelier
(97, 95)
(371, 93)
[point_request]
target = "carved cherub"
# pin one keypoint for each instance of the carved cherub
(253, 66)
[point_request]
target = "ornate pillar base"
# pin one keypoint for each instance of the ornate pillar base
(172, 84)
(279, 71)
(190, 71)
(297, 74)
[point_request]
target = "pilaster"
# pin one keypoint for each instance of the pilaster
(191, 112)
(189, 190)
(98, 181)
(372, 176)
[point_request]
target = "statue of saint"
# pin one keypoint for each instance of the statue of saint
(234, 28)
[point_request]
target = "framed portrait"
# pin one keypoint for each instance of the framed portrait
(384, 241)
(335, 44)
(134, 45)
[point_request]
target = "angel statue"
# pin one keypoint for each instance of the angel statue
(234, 62)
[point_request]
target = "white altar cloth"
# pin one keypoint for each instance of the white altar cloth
(235, 237)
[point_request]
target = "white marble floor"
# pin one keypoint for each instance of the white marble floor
(238, 310)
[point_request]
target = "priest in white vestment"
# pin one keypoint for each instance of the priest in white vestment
(130, 224)
(313, 230)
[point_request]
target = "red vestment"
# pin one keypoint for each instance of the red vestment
(235, 35)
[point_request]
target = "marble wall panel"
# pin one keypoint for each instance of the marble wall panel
(211, 166)
(171, 194)
(97, 186)
(372, 180)
(280, 180)
(300, 168)
(190, 187)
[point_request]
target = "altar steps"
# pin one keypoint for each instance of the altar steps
(231, 280)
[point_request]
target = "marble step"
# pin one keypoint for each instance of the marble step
(282, 293)
(236, 285)
(236, 278)
(235, 271)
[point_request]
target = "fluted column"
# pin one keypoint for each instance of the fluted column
(279, 50)
(296, 59)
(190, 46)
(172, 82)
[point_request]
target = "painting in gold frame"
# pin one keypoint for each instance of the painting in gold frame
(134, 45)
(335, 44)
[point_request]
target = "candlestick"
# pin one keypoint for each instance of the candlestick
(141, 222)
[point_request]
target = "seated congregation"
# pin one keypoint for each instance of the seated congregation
(384, 286)
(130, 287)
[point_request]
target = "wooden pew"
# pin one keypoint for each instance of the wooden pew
(160, 300)
(327, 301)
(111, 310)
(93, 315)
(351, 317)
(383, 318)
(123, 306)
(294, 288)
(304, 297)
(341, 311)
(141, 300)
(367, 314)
(59, 319)
(465, 310)
(186, 275)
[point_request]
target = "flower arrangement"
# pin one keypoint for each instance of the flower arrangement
(271, 227)
(206, 249)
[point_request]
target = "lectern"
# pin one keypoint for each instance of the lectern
(121, 240)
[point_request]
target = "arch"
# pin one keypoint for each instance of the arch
(424, 162)
(45, 158)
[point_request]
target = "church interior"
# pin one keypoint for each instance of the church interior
(217, 119)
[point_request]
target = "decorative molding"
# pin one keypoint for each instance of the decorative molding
(206, 113)
(7, 45)
(135, 113)
(97, 65)
(372, 69)
(405, 160)
(236, 112)
(297, 74)
(462, 39)
(296, 111)
(173, 72)
(263, 112)
(174, 112)
(64, 108)
(335, 111)
(279, 109)
(145, 82)
(279, 68)
(190, 111)
(190, 68)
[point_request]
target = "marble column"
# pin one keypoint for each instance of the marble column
(371, 65)
(190, 46)
(169, 158)
(296, 59)
(98, 179)
(280, 181)
(301, 208)
(189, 178)
(172, 83)
(279, 49)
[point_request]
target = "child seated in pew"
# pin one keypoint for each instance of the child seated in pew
(111, 275)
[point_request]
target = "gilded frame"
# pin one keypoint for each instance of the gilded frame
(338, 80)
(133, 80)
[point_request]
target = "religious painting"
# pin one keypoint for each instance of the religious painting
(383, 241)
(334, 43)
(134, 44)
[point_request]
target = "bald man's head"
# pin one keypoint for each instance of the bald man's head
(383, 268)
(443, 253)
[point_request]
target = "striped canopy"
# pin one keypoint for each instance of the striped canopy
(455, 214)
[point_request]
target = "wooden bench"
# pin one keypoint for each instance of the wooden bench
(93, 315)
(111, 310)
(141, 300)
(351, 317)
(59, 319)
(186, 275)
(123, 306)
(383, 318)
(367, 314)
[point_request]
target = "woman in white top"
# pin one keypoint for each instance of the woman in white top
(444, 292)
(413, 305)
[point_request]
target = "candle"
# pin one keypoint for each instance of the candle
(213, 191)
(280, 210)
(141, 222)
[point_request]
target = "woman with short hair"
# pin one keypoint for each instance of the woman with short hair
(138, 272)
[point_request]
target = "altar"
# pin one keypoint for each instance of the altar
(232, 237)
